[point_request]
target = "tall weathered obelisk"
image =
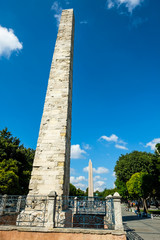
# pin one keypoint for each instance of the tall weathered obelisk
(51, 166)
(90, 180)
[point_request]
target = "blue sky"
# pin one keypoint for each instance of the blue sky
(115, 79)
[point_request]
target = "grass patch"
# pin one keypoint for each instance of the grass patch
(154, 211)
(151, 211)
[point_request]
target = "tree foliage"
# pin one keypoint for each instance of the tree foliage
(140, 185)
(78, 192)
(15, 164)
(73, 191)
(136, 162)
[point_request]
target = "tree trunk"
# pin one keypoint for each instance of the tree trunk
(145, 205)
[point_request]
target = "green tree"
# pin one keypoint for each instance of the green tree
(107, 192)
(15, 164)
(72, 190)
(86, 192)
(156, 172)
(80, 192)
(140, 187)
(157, 150)
(129, 164)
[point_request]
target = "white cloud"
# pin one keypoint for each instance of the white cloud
(99, 170)
(84, 22)
(121, 147)
(153, 143)
(121, 142)
(58, 10)
(114, 174)
(110, 4)
(99, 186)
(77, 152)
(79, 182)
(129, 4)
(99, 178)
(96, 178)
(112, 138)
(86, 169)
(77, 179)
(81, 186)
(8, 42)
(86, 146)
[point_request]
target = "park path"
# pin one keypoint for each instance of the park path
(140, 228)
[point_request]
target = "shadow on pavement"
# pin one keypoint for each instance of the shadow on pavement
(132, 218)
(131, 234)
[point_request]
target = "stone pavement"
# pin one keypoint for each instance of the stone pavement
(140, 228)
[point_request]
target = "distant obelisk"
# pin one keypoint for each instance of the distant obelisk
(90, 180)
(51, 166)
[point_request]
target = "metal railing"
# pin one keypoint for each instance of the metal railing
(56, 211)
(84, 212)
(23, 210)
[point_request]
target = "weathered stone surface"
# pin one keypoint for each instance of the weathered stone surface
(51, 167)
(117, 211)
(90, 180)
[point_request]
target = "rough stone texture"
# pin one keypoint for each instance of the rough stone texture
(51, 166)
(90, 180)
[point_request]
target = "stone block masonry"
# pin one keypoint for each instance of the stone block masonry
(51, 166)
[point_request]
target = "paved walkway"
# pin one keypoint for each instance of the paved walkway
(140, 228)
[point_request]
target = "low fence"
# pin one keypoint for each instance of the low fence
(23, 210)
(54, 211)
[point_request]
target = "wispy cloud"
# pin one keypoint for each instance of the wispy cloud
(77, 152)
(8, 42)
(121, 147)
(56, 7)
(82, 186)
(99, 186)
(67, 2)
(86, 146)
(153, 143)
(86, 169)
(110, 4)
(130, 5)
(72, 171)
(79, 182)
(137, 21)
(84, 22)
(112, 138)
(99, 170)
(77, 179)
(115, 139)
(96, 178)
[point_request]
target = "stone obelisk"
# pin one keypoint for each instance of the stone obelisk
(51, 166)
(90, 180)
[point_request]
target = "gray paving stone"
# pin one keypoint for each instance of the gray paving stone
(140, 228)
